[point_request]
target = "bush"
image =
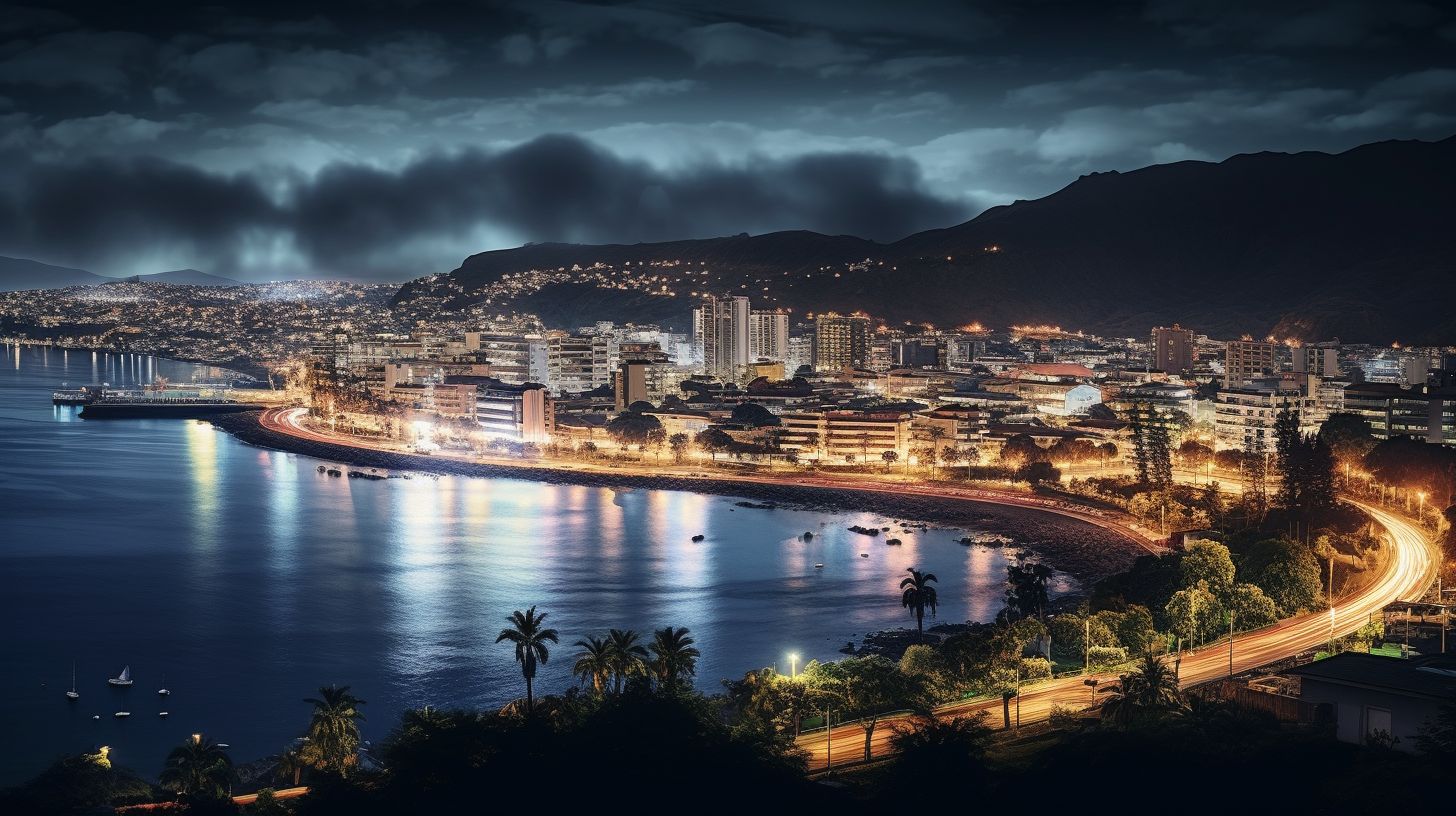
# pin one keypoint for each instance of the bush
(1064, 718)
(1035, 668)
(1104, 656)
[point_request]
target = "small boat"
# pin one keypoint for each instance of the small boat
(223, 745)
(164, 691)
(73, 694)
(121, 715)
(322, 468)
(818, 566)
(123, 679)
(335, 472)
(698, 538)
(864, 555)
(95, 716)
(161, 714)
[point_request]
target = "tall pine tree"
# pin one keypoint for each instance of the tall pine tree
(1286, 455)
(1139, 441)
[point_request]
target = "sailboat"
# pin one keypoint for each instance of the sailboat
(73, 694)
(123, 679)
(164, 691)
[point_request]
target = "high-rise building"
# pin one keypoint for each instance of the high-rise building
(1246, 360)
(768, 336)
(1318, 360)
(1173, 349)
(841, 341)
(721, 326)
(801, 353)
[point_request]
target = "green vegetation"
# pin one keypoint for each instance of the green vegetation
(528, 634)
(199, 769)
(332, 742)
(916, 595)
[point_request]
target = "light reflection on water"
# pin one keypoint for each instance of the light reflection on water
(250, 578)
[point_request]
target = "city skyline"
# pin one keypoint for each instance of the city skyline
(413, 405)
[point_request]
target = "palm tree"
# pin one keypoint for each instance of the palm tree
(1148, 691)
(333, 732)
(674, 656)
(530, 638)
(916, 594)
(198, 768)
(290, 766)
(629, 658)
(937, 748)
(594, 663)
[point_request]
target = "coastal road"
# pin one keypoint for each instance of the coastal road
(1410, 567)
(1408, 570)
(290, 421)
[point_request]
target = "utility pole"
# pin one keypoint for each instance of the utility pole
(828, 740)
(1231, 644)
(1086, 645)
(1018, 695)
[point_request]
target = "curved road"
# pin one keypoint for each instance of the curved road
(1409, 570)
(290, 421)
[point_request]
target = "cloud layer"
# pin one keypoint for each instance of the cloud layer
(356, 220)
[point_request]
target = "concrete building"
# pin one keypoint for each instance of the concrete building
(1421, 412)
(1173, 349)
(841, 342)
(570, 363)
(918, 352)
(645, 373)
(865, 436)
(453, 400)
(1242, 415)
(721, 328)
(1246, 360)
(839, 437)
(768, 336)
(524, 413)
(1318, 360)
(801, 353)
(513, 358)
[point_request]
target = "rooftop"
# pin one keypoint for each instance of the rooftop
(1433, 676)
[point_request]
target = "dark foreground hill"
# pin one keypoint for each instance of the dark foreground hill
(1357, 245)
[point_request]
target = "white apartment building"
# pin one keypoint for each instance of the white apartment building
(1241, 415)
(768, 336)
(721, 328)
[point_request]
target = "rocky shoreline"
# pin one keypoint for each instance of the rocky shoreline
(1090, 554)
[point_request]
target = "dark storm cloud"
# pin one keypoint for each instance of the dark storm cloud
(351, 219)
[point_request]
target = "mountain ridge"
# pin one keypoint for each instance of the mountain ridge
(1308, 245)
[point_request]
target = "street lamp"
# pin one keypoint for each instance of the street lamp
(793, 665)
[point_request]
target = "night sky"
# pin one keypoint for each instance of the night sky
(389, 140)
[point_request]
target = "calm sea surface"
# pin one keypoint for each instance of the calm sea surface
(247, 579)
